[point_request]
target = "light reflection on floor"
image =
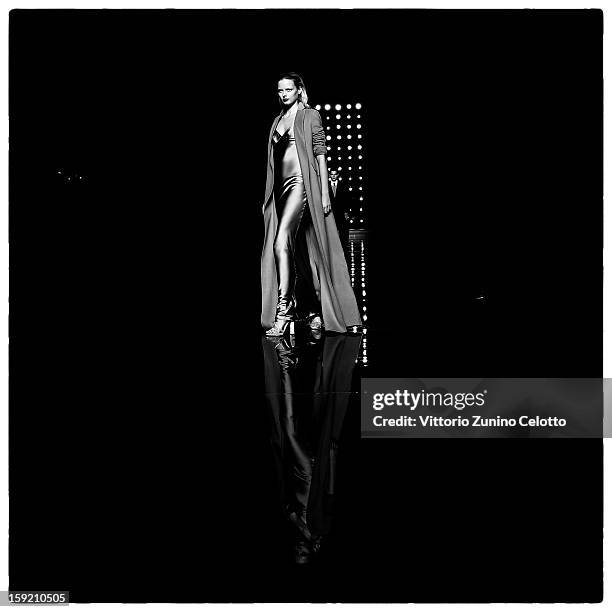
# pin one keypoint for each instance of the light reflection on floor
(357, 267)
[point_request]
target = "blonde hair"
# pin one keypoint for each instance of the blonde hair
(299, 84)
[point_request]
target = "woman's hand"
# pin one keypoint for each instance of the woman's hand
(326, 204)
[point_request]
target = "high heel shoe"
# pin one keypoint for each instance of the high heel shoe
(281, 327)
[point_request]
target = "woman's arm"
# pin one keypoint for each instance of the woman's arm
(324, 184)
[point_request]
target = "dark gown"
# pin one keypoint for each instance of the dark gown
(290, 251)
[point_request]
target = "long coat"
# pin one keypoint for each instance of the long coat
(340, 205)
(338, 304)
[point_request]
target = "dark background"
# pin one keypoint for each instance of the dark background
(139, 466)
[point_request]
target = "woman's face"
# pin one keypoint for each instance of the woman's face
(287, 92)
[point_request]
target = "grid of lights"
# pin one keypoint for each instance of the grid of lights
(358, 282)
(345, 152)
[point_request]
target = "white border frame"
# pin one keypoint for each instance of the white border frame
(4, 259)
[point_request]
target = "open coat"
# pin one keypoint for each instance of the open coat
(338, 305)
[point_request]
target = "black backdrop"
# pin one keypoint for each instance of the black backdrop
(136, 443)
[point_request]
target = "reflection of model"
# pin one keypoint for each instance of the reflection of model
(307, 391)
(303, 269)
